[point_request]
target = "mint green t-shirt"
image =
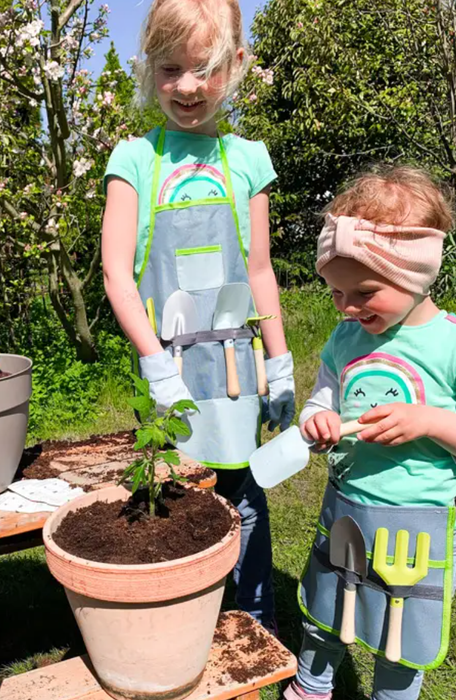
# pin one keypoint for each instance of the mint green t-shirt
(407, 364)
(191, 168)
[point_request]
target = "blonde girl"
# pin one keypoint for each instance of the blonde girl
(187, 210)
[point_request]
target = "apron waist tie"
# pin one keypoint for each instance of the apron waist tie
(210, 336)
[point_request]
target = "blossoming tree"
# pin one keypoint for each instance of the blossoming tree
(57, 128)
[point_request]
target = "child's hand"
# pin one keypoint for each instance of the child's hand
(396, 423)
(322, 428)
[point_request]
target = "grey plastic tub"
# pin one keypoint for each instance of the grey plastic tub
(15, 392)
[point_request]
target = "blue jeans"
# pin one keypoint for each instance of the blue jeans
(322, 653)
(253, 571)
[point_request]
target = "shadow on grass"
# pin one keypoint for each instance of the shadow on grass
(35, 614)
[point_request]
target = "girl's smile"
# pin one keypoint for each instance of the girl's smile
(371, 299)
(188, 97)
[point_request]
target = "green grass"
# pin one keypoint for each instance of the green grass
(37, 627)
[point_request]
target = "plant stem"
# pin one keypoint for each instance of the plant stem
(151, 483)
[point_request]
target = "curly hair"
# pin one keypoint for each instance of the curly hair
(396, 195)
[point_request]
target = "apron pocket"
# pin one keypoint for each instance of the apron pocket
(200, 268)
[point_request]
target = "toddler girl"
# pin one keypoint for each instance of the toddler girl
(391, 364)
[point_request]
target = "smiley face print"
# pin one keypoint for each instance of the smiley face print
(377, 379)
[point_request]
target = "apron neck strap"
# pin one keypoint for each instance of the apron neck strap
(157, 166)
(226, 169)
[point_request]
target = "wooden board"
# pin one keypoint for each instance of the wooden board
(75, 680)
(12, 524)
(91, 464)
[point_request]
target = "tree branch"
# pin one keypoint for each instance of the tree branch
(96, 318)
(14, 214)
(16, 83)
(94, 267)
(78, 53)
(69, 12)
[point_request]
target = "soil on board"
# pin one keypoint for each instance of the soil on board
(188, 521)
(4, 374)
(35, 463)
(256, 645)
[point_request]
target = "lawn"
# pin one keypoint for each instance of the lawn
(37, 626)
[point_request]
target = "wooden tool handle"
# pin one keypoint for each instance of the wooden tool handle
(352, 427)
(393, 650)
(178, 359)
(232, 380)
(260, 369)
(347, 630)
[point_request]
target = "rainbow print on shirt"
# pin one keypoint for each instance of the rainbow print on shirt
(366, 382)
(376, 379)
(191, 182)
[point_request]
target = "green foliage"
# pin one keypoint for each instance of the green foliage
(51, 170)
(154, 434)
(354, 82)
(66, 391)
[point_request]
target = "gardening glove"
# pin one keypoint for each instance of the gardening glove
(279, 372)
(165, 383)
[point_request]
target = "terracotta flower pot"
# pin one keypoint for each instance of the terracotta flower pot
(148, 628)
(15, 392)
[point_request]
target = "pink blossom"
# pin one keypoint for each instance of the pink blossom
(300, 25)
(23, 215)
(253, 97)
(108, 98)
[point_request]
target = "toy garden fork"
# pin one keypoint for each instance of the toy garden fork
(400, 578)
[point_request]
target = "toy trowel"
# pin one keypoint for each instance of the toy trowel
(347, 551)
(180, 316)
(231, 311)
(287, 454)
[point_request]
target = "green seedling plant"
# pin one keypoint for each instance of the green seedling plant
(155, 433)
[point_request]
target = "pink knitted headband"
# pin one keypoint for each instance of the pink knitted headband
(409, 256)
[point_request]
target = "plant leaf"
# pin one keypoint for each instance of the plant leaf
(142, 385)
(177, 426)
(140, 403)
(170, 458)
(184, 405)
(129, 471)
(144, 437)
(157, 436)
(138, 479)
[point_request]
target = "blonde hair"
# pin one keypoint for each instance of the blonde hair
(395, 195)
(171, 23)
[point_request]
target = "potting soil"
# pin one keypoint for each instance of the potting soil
(36, 461)
(264, 657)
(188, 521)
(198, 476)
